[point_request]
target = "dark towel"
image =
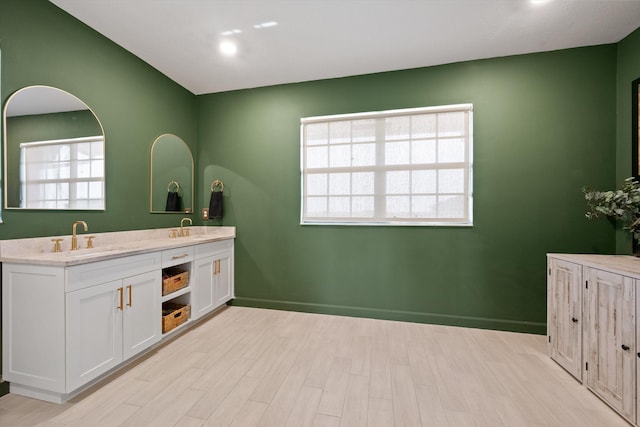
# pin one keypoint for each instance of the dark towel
(215, 205)
(173, 202)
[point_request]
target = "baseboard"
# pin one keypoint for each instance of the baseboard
(539, 328)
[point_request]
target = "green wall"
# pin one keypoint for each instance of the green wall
(41, 44)
(544, 126)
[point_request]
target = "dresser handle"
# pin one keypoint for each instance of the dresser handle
(625, 347)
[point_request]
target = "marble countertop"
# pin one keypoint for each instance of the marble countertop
(39, 250)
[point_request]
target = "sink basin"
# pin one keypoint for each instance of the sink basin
(199, 237)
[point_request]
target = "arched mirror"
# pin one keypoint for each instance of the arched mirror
(53, 152)
(171, 175)
(635, 127)
(1, 122)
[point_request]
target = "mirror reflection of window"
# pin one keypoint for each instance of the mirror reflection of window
(62, 174)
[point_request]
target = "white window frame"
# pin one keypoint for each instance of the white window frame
(380, 168)
(56, 201)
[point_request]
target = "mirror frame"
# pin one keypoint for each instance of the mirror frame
(635, 133)
(186, 209)
(1, 161)
(5, 153)
(635, 141)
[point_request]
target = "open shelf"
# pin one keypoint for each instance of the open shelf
(176, 294)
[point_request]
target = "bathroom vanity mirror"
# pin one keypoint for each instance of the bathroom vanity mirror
(53, 152)
(171, 176)
(635, 129)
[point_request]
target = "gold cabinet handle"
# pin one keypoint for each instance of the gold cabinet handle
(179, 256)
(120, 298)
(130, 297)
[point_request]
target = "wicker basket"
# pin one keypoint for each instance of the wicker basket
(174, 315)
(173, 280)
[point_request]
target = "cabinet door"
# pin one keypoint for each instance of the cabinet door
(223, 278)
(202, 292)
(564, 315)
(142, 325)
(94, 332)
(611, 340)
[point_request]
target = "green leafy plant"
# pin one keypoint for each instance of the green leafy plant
(622, 205)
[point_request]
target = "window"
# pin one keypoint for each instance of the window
(399, 167)
(66, 173)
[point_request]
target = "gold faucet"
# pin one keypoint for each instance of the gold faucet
(74, 239)
(181, 227)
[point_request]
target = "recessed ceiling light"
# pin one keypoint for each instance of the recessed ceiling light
(230, 32)
(266, 25)
(538, 2)
(228, 48)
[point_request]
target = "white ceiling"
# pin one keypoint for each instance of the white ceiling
(319, 39)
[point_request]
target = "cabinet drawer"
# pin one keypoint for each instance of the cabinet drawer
(94, 273)
(177, 256)
(207, 249)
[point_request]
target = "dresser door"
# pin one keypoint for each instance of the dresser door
(564, 315)
(611, 347)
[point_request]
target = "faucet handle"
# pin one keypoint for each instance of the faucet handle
(187, 232)
(89, 241)
(56, 245)
(173, 233)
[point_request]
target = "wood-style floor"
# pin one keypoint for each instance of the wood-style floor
(247, 366)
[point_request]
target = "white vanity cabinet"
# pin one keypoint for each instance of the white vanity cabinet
(126, 313)
(65, 326)
(213, 277)
(69, 323)
(600, 293)
(564, 319)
